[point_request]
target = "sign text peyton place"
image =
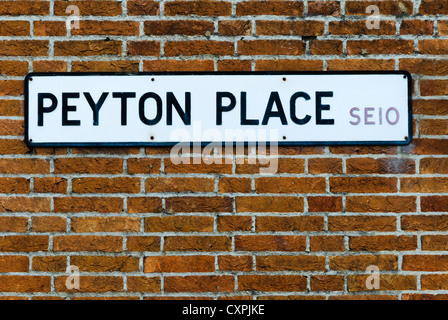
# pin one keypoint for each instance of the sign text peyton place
(309, 108)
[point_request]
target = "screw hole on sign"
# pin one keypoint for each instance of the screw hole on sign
(284, 79)
(152, 79)
(284, 137)
(152, 138)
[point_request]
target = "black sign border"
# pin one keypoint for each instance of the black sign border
(405, 74)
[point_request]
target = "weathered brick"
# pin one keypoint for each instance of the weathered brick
(290, 263)
(275, 8)
(179, 264)
(272, 223)
(89, 7)
(88, 243)
(197, 243)
(269, 204)
(105, 224)
(272, 283)
(199, 284)
(179, 224)
(270, 243)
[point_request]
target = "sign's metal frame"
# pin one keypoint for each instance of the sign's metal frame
(405, 74)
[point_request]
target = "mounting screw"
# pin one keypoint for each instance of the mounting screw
(152, 79)
(284, 137)
(406, 138)
(152, 138)
(284, 79)
(31, 79)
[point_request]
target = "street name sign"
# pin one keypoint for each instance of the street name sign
(288, 108)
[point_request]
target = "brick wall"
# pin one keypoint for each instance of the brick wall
(139, 226)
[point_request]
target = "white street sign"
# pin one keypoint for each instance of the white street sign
(313, 108)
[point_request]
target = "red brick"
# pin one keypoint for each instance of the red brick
(88, 243)
(383, 46)
(88, 165)
(270, 243)
(50, 28)
(269, 204)
(234, 223)
(272, 283)
(179, 264)
(288, 65)
(425, 263)
(388, 282)
(25, 283)
(48, 224)
(105, 66)
(290, 185)
(387, 8)
(87, 48)
(23, 47)
(324, 8)
(325, 204)
(179, 185)
(105, 224)
(14, 264)
(362, 223)
(91, 284)
(304, 223)
(275, 8)
(105, 264)
(433, 7)
(327, 283)
(143, 8)
(271, 47)
(144, 204)
(144, 284)
(197, 243)
(234, 27)
(26, 8)
(82, 204)
(199, 284)
(361, 262)
(327, 243)
(290, 263)
(380, 204)
(143, 48)
(179, 224)
(303, 28)
(23, 243)
(198, 47)
(199, 204)
(106, 185)
(421, 27)
(235, 263)
(182, 27)
(198, 8)
(143, 243)
(363, 184)
(383, 243)
(380, 166)
(89, 7)
(104, 27)
(178, 65)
